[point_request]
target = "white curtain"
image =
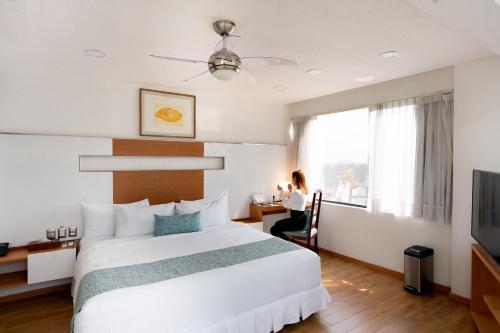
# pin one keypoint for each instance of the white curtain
(304, 150)
(434, 158)
(392, 158)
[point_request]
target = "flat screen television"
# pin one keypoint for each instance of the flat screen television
(486, 211)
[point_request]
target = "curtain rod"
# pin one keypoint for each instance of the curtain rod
(440, 92)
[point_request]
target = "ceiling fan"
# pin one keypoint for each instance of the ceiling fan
(224, 64)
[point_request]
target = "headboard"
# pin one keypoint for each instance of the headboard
(157, 186)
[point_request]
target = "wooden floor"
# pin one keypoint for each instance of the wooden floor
(363, 300)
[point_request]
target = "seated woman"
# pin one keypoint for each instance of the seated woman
(297, 204)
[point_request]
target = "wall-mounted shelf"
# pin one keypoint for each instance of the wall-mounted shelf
(484, 323)
(37, 266)
(13, 279)
(15, 255)
(485, 291)
(493, 304)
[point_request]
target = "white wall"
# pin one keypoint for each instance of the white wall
(476, 138)
(381, 238)
(42, 187)
(406, 87)
(36, 100)
(248, 169)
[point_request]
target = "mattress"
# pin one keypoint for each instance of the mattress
(254, 296)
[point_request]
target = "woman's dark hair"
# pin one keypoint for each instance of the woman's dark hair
(300, 180)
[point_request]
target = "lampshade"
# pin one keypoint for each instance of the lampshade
(224, 74)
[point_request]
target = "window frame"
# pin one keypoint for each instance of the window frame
(345, 204)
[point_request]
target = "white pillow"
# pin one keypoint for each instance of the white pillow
(98, 219)
(213, 210)
(137, 221)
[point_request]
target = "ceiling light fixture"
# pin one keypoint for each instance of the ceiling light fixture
(364, 79)
(224, 64)
(94, 53)
(314, 71)
(280, 88)
(389, 55)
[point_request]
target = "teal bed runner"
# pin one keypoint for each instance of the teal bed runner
(107, 279)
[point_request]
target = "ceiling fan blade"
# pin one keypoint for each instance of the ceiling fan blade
(195, 77)
(179, 59)
(273, 61)
(248, 76)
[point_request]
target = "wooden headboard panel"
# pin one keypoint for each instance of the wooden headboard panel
(158, 186)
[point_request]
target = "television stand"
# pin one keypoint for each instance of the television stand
(485, 290)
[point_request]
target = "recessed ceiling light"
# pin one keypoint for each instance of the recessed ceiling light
(94, 53)
(389, 55)
(316, 71)
(364, 79)
(280, 88)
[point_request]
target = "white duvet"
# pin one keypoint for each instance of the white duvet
(258, 296)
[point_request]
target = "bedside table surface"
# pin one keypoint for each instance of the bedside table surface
(14, 255)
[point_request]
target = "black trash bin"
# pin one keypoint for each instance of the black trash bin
(419, 269)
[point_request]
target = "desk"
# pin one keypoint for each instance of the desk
(257, 211)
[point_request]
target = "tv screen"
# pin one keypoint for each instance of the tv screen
(486, 211)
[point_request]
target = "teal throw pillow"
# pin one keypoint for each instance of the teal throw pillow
(176, 224)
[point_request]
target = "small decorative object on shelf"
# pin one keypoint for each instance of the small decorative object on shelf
(72, 231)
(4, 249)
(51, 234)
(61, 232)
(68, 244)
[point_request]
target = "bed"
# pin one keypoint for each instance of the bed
(225, 278)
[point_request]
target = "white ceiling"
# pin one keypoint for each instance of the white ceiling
(476, 19)
(342, 37)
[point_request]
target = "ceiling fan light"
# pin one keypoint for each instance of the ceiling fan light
(224, 74)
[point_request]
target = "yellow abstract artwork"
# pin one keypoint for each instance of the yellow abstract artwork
(168, 115)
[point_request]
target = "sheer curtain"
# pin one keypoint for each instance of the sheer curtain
(392, 158)
(411, 158)
(434, 158)
(303, 150)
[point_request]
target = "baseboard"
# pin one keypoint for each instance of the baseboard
(458, 298)
(396, 274)
(400, 276)
(35, 293)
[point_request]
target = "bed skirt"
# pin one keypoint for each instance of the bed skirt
(273, 316)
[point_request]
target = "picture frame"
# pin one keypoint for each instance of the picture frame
(167, 114)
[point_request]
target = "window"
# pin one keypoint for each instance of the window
(342, 141)
(393, 157)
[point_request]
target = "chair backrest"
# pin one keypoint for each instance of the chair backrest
(313, 221)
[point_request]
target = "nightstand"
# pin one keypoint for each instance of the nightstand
(40, 266)
(51, 264)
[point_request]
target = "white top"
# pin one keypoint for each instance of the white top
(297, 200)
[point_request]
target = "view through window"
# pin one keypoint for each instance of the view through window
(342, 147)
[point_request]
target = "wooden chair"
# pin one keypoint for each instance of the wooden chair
(310, 232)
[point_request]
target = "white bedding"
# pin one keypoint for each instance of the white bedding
(258, 296)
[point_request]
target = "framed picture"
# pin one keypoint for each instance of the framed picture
(167, 114)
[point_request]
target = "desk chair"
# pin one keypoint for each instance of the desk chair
(310, 231)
